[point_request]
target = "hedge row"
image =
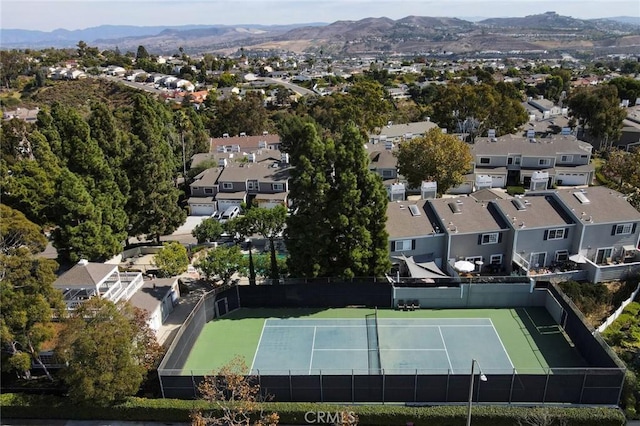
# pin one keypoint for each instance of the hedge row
(174, 410)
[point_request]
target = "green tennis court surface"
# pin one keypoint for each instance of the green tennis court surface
(348, 341)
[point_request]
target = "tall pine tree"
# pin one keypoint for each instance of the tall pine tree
(153, 204)
(339, 207)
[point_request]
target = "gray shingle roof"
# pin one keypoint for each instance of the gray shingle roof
(401, 223)
(149, 297)
(475, 216)
(545, 147)
(83, 276)
(605, 205)
(539, 212)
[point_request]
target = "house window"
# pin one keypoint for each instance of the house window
(562, 256)
(387, 173)
(566, 158)
(624, 229)
(555, 234)
(227, 185)
(544, 162)
(496, 259)
(485, 160)
(538, 260)
(492, 238)
(208, 190)
(278, 186)
(403, 245)
(476, 260)
(252, 185)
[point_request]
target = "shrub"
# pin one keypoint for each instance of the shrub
(174, 410)
(515, 190)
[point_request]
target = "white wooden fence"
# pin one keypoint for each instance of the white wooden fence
(614, 316)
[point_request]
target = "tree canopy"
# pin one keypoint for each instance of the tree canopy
(598, 109)
(221, 263)
(209, 230)
(29, 300)
(435, 157)
(337, 225)
(172, 259)
(108, 349)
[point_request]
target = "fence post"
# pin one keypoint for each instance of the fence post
(624, 374)
(513, 379)
(193, 384)
(544, 394)
(446, 395)
(584, 381)
(161, 384)
(353, 387)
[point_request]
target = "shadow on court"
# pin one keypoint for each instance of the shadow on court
(284, 313)
(547, 339)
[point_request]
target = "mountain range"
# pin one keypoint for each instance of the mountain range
(412, 34)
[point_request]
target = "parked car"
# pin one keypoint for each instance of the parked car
(216, 215)
(230, 213)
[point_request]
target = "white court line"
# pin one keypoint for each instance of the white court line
(502, 344)
(367, 350)
(346, 349)
(313, 345)
(318, 326)
(264, 325)
(446, 351)
(415, 349)
(380, 326)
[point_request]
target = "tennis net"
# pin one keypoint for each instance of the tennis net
(373, 343)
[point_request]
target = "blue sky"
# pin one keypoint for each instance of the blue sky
(48, 15)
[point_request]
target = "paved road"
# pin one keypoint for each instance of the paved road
(293, 87)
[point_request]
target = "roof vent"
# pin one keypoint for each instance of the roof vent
(455, 208)
(581, 197)
(519, 205)
(414, 210)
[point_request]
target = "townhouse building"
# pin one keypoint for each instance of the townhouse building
(516, 160)
(585, 234)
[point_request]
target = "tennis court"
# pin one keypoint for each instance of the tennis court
(357, 341)
(364, 346)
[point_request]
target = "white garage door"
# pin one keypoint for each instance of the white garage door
(497, 181)
(201, 209)
(571, 179)
(225, 204)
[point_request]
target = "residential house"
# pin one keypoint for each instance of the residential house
(546, 107)
(203, 191)
(241, 178)
(414, 232)
(244, 143)
(243, 182)
(87, 279)
(513, 160)
(28, 115)
(398, 132)
(475, 231)
(583, 234)
(608, 234)
(157, 297)
(543, 231)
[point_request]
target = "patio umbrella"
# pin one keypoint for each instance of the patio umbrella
(464, 266)
(577, 258)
